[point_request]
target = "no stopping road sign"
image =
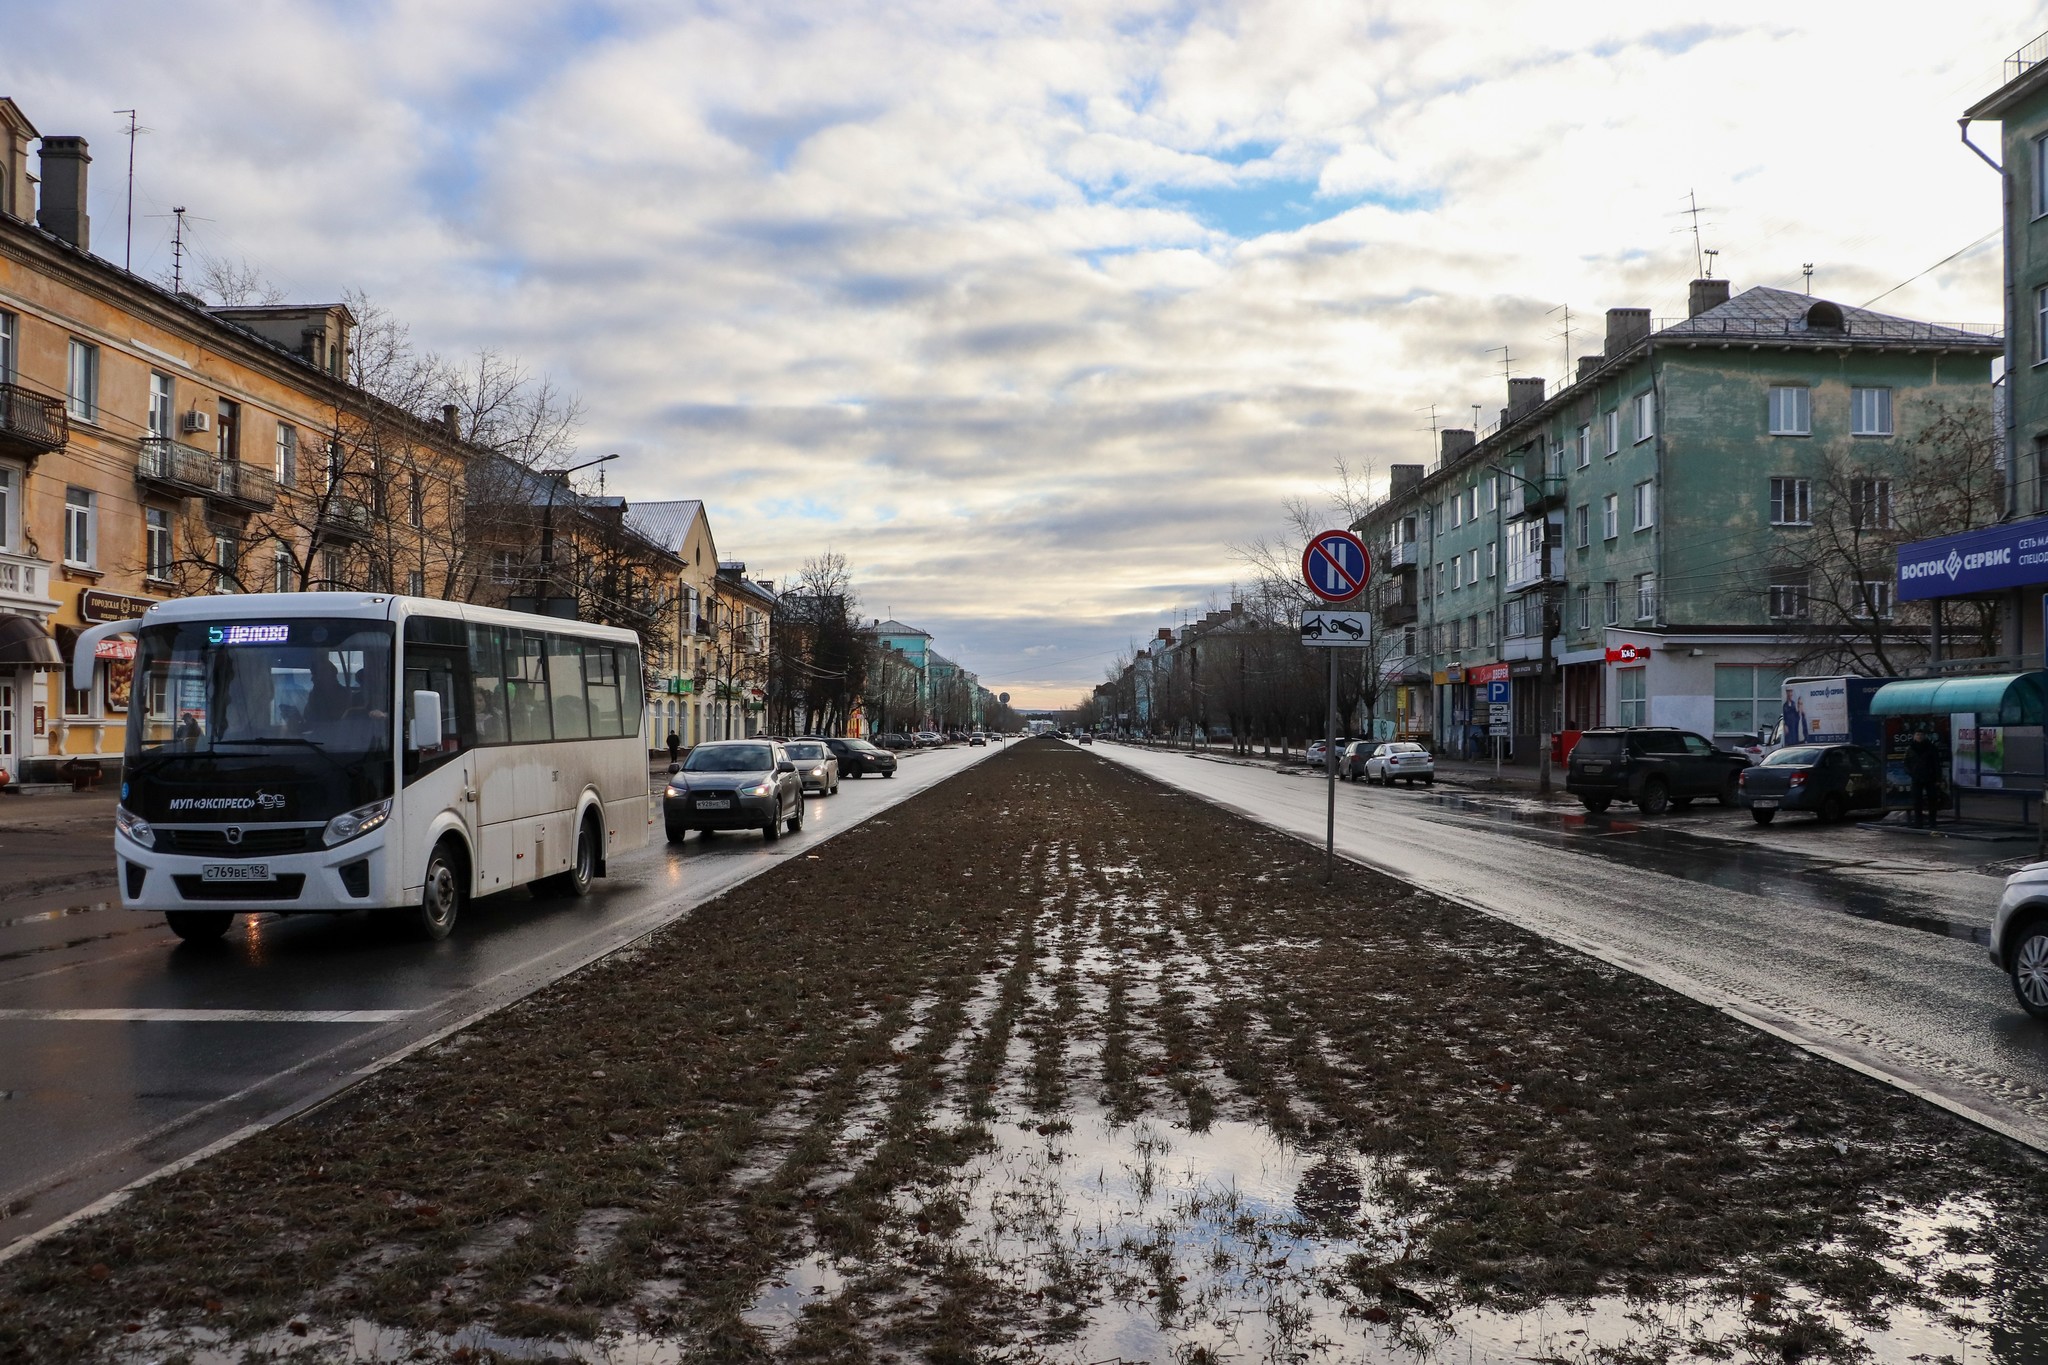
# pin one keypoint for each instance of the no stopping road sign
(1335, 566)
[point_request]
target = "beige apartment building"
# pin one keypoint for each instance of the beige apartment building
(152, 447)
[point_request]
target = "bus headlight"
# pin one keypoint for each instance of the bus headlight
(361, 820)
(134, 826)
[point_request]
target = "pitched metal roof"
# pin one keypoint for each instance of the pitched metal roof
(895, 627)
(667, 524)
(1782, 316)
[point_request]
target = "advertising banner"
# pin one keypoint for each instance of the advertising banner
(1979, 753)
(1817, 711)
(2012, 555)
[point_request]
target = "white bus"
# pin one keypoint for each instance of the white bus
(324, 752)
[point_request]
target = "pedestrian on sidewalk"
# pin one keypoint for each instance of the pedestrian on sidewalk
(675, 746)
(1923, 767)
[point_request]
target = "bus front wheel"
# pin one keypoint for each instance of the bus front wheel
(441, 897)
(199, 926)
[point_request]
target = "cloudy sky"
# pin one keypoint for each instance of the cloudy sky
(1032, 310)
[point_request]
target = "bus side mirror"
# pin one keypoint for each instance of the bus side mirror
(426, 720)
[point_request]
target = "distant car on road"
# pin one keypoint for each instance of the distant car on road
(858, 758)
(1318, 749)
(1087, 738)
(977, 740)
(734, 784)
(930, 739)
(1395, 761)
(1652, 765)
(896, 742)
(2019, 937)
(1831, 780)
(816, 766)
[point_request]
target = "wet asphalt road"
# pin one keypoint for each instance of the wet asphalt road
(123, 1051)
(1863, 945)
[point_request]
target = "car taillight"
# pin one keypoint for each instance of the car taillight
(1742, 778)
(1798, 780)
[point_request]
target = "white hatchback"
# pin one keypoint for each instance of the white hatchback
(2019, 937)
(1397, 761)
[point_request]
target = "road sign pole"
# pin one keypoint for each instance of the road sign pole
(1330, 765)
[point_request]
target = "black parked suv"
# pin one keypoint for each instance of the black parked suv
(1654, 766)
(858, 758)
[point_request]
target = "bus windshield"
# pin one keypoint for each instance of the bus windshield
(256, 687)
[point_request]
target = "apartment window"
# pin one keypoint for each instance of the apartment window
(10, 507)
(1633, 693)
(1456, 642)
(1611, 604)
(1493, 494)
(504, 566)
(1613, 420)
(1870, 504)
(156, 542)
(330, 570)
(2040, 176)
(1554, 466)
(1408, 641)
(1582, 526)
(1428, 582)
(1457, 571)
(1791, 410)
(416, 502)
(1874, 599)
(283, 573)
(1513, 618)
(1646, 597)
(287, 454)
(1439, 577)
(1646, 504)
(1585, 446)
(1472, 497)
(80, 531)
(228, 432)
(1789, 594)
(416, 583)
(1457, 512)
(1585, 600)
(161, 398)
(1791, 502)
(336, 465)
(1610, 516)
(82, 381)
(2041, 324)
(1870, 412)
(77, 701)
(10, 329)
(1747, 700)
(1492, 558)
(1487, 617)
(1472, 630)
(226, 561)
(1472, 567)
(1646, 414)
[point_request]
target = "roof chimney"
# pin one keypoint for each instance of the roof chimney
(1166, 634)
(1625, 327)
(1705, 294)
(451, 418)
(1590, 363)
(1402, 478)
(62, 212)
(1524, 394)
(1456, 441)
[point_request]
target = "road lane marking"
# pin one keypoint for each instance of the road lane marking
(135, 1016)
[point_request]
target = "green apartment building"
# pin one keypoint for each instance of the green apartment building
(1648, 516)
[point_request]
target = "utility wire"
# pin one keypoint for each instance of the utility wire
(1940, 263)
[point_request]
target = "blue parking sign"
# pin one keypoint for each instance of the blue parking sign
(1497, 693)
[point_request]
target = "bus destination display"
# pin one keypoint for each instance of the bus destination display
(249, 635)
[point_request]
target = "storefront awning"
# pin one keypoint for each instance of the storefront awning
(2001, 699)
(24, 641)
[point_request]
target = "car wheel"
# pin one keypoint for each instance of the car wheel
(773, 829)
(1656, 797)
(706, 834)
(796, 822)
(2030, 969)
(1831, 809)
(1429, 781)
(675, 833)
(1596, 804)
(1730, 793)
(890, 773)
(1763, 817)
(441, 897)
(199, 926)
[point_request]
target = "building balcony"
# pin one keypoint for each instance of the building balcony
(165, 463)
(243, 487)
(1404, 556)
(1537, 495)
(1398, 613)
(31, 424)
(25, 584)
(345, 519)
(1524, 572)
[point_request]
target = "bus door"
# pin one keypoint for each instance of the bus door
(443, 779)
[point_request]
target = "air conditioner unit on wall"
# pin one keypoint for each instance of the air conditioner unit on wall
(198, 421)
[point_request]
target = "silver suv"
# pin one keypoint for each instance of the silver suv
(2019, 937)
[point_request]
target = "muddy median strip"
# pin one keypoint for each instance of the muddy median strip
(1053, 1061)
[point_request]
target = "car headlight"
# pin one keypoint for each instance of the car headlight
(677, 789)
(134, 826)
(760, 789)
(359, 821)
(818, 771)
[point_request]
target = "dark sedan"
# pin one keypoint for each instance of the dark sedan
(858, 758)
(1831, 780)
(734, 784)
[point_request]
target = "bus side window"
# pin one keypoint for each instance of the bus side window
(601, 689)
(487, 684)
(565, 681)
(444, 672)
(526, 686)
(632, 690)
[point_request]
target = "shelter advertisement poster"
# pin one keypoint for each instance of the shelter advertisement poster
(1817, 711)
(1979, 753)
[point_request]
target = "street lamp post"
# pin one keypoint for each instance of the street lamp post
(1545, 683)
(556, 480)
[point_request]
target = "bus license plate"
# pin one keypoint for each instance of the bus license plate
(235, 872)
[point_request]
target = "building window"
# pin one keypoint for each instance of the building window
(284, 574)
(1610, 516)
(1789, 594)
(1874, 599)
(226, 560)
(1492, 558)
(2041, 324)
(1646, 504)
(1747, 700)
(1870, 504)
(1870, 412)
(1791, 502)
(1428, 582)
(1582, 526)
(336, 465)
(82, 381)
(161, 404)
(1457, 512)
(78, 701)
(1585, 446)
(1791, 410)
(287, 454)
(1613, 420)
(1633, 695)
(10, 330)
(80, 533)
(330, 570)
(416, 502)
(156, 542)
(1646, 414)
(10, 507)
(1439, 578)
(416, 583)
(1472, 567)
(504, 566)
(1646, 597)
(1492, 494)
(1512, 619)
(1452, 634)
(1612, 604)
(2040, 176)
(1488, 619)
(1585, 599)
(228, 432)
(1457, 572)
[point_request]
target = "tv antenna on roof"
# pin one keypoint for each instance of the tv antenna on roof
(1807, 271)
(128, 248)
(178, 250)
(1711, 253)
(1506, 361)
(1566, 333)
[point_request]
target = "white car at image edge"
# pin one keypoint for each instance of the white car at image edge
(2019, 937)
